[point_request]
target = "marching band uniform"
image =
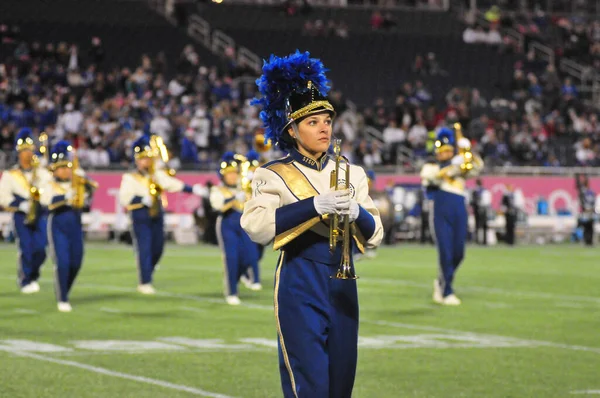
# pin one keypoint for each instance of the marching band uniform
(446, 182)
(317, 316)
(140, 195)
(239, 252)
(65, 231)
(587, 215)
(15, 197)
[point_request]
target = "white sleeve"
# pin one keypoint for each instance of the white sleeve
(217, 199)
(168, 183)
(258, 219)
(127, 190)
(47, 194)
(365, 201)
(6, 195)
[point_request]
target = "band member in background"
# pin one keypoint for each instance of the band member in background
(481, 202)
(510, 210)
(317, 315)
(587, 203)
(450, 217)
(251, 276)
(141, 194)
(426, 198)
(20, 188)
(65, 200)
(239, 252)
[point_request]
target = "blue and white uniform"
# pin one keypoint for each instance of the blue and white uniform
(15, 194)
(65, 231)
(239, 252)
(140, 194)
(445, 183)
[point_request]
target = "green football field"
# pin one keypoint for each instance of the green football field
(529, 326)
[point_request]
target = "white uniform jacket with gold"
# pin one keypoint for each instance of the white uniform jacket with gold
(16, 183)
(134, 192)
(282, 207)
(223, 199)
(449, 176)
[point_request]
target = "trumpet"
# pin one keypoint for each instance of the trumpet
(345, 270)
(156, 191)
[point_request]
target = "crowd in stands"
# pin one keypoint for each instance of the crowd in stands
(202, 110)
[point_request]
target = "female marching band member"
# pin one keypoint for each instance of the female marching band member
(239, 252)
(141, 194)
(316, 313)
(446, 182)
(16, 186)
(65, 232)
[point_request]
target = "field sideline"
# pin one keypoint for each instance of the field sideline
(528, 327)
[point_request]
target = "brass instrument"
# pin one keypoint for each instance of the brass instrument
(345, 270)
(34, 194)
(79, 184)
(467, 164)
(156, 191)
(34, 191)
(245, 182)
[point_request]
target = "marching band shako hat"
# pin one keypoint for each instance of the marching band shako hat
(371, 175)
(24, 140)
(141, 148)
(292, 88)
(60, 156)
(228, 163)
(445, 140)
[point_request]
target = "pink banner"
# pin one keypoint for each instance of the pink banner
(560, 192)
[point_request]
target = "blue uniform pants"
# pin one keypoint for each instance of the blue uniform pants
(239, 252)
(450, 220)
(66, 242)
(32, 241)
(317, 322)
(149, 242)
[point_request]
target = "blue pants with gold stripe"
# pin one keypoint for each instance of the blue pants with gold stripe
(149, 242)
(65, 234)
(317, 319)
(450, 225)
(239, 252)
(32, 241)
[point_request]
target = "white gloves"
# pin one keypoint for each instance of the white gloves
(24, 206)
(352, 211)
(69, 195)
(147, 201)
(240, 196)
(199, 190)
(80, 173)
(332, 202)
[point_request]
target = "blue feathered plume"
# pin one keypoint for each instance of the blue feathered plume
(281, 77)
(228, 157)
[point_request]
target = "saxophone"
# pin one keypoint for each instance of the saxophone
(79, 184)
(34, 194)
(467, 164)
(156, 191)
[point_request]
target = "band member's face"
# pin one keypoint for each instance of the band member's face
(444, 156)
(25, 157)
(143, 163)
(230, 178)
(63, 173)
(314, 133)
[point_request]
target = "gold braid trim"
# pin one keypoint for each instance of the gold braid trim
(309, 108)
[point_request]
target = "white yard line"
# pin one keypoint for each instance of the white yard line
(586, 392)
(25, 311)
(110, 310)
(595, 350)
(126, 376)
(192, 309)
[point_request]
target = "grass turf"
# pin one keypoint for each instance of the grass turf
(528, 327)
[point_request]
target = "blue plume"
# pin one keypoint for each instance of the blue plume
(446, 134)
(280, 78)
(252, 155)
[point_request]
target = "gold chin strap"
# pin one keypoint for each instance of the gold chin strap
(311, 107)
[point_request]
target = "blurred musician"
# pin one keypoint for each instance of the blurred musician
(481, 202)
(587, 203)
(65, 197)
(20, 189)
(239, 252)
(141, 193)
(450, 215)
